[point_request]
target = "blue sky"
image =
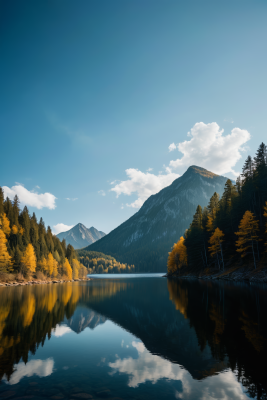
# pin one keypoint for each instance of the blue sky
(92, 89)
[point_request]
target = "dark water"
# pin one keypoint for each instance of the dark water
(142, 338)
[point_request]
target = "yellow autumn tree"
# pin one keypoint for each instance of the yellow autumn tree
(14, 229)
(5, 259)
(210, 223)
(50, 264)
(265, 215)
(75, 268)
(5, 224)
(29, 258)
(177, 257)
(215, 248)
(55, 270)
(248, 235)
(43, 264)
(67, 269)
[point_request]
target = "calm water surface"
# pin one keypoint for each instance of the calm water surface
(141, 338)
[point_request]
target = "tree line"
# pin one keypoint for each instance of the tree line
(99, 263)
(231, 229)
(28, 247)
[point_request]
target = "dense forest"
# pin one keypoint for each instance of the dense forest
(231, 230)
(100, 263)
(28, 248)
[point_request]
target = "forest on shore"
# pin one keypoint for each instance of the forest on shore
(30, 250)
(231, 230)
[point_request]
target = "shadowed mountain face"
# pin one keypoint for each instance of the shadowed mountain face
(79, 236)
(146, 238)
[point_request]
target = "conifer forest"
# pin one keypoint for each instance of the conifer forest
(231, 232)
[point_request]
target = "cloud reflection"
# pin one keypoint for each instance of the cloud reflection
(40, 368)
(60, 330)
(149, 367)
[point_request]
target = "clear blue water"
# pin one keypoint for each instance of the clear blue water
(116, 337)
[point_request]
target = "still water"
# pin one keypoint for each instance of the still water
(141, 338)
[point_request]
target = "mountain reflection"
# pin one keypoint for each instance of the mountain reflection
(196, 326)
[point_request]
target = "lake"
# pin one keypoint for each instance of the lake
(134, 338)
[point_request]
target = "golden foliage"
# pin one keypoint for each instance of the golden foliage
(177, 257)
(215, 241)
(179, 297)
(29, 258)
(210, 223)
(14, 229)
(247, 234)
(5, 224)
(5, 259)
(27, 310)
(50, 264)
(67, 269)
(75, 268)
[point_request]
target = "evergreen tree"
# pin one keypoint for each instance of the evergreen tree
(16, 211)
(248, 236)
(1, 201)
(216, 245)
(70, 253)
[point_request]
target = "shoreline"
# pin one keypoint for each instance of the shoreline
(234, 274)
(39, 282)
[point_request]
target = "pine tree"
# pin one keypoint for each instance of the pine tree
(67, 269)
(16, 211)
(265, 215)
(29, 258)
(213, 205)
(248, 235)
(260, 160)
(70, 253)
(5, 259)
(216, 245)
(1, 201)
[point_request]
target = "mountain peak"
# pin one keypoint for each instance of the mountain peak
(201, 171)
(79, 236)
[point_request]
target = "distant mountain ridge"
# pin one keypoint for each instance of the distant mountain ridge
(146, 238)
(79, 236)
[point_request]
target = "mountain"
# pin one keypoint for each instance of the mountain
(146, 238)
(83, 318)
(79, 236)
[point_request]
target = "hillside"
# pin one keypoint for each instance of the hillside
(146, 238)
(79, 236)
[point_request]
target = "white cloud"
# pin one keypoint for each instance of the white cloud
(60, 330)
(61, 228)
(172, 147)
(40, 368)
(31, 198)
(70, 199)
(150, 169)
(208, 148)
(144, 184)
(151, 368)
(102, 192)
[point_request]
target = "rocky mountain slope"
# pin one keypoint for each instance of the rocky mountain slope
(146, 238)
(79, 236)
